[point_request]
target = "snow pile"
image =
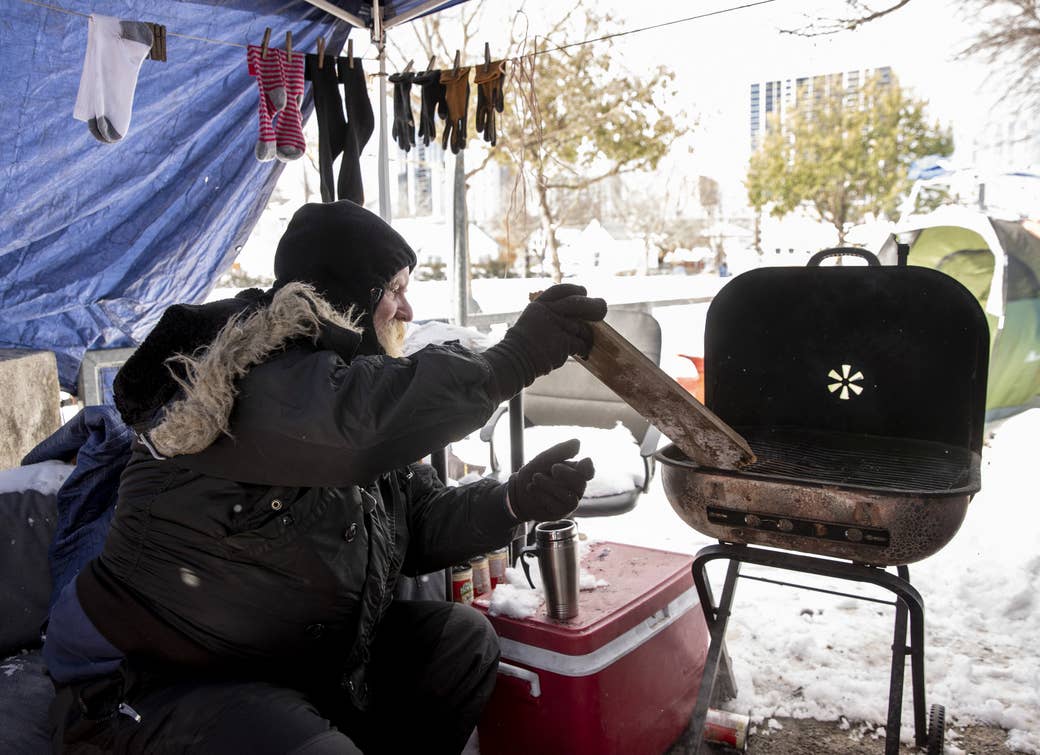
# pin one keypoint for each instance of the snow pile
(46, 477)
(516, 598)
(619, 467)
(810, 655)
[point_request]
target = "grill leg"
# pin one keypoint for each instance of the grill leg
(716, 619)
(915, 606)
(895, 683)
(907, 605)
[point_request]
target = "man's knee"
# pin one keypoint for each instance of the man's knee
(474, 634)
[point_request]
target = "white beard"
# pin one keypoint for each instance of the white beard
(391, 337)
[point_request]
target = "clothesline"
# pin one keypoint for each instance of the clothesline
(544, 51)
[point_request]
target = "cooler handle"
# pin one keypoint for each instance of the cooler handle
(844, 251)
(522, 673)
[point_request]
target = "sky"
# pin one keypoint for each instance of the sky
(716, 58)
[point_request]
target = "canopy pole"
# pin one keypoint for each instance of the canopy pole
(379, 38)
(337, 12)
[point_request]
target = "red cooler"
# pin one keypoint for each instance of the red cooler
(621, 678)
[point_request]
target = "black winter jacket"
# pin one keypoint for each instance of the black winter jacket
(275, 552)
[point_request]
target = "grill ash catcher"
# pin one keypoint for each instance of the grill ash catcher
(861, 391)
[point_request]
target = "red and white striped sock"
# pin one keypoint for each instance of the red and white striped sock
(271, 83)
(289, 123)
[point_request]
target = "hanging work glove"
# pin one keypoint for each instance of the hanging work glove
(404, 124)
(433, 104)
(550, 329)
(456, 95)
(489, 81)
(549, 486)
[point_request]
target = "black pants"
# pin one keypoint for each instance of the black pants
(432, 670)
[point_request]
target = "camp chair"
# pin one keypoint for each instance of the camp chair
(572, 396)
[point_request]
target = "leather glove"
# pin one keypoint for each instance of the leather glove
(550, 329)
(433, 104)
(404, 124)
(456, 95)
(549, 486)
(489, 81)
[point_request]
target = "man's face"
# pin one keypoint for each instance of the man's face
(392, 312)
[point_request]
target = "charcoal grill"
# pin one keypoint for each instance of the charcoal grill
(861, 390)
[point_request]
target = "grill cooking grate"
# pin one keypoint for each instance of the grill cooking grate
(861, 461)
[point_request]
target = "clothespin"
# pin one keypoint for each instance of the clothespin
(432, 59)
(455, 70)
(158, 49)
(408, 68)
(321, 52)
(350, 53)
(288, 46)
(263, 45)
(487, 57)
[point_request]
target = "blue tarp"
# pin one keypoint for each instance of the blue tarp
(97, 239)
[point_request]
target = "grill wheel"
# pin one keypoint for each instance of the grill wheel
(936, 729)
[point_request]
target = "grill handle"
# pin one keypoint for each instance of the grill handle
(843, 251)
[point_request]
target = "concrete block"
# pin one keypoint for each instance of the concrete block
(30, 402)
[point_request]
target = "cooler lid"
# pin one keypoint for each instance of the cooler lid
(641, 581)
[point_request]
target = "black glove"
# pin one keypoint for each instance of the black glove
(404, 124)
(550, 329)
(549, 487)
(433, 104)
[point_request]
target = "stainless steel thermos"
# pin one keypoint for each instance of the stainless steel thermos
(556, 546)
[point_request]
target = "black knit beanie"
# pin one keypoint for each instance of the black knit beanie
(347, 253)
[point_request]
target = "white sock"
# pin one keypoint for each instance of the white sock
(115, 51)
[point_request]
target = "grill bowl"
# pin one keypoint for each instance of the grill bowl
(852, 501)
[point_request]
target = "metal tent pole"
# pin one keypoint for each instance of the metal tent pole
(379, 39)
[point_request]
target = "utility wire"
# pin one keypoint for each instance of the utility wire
(168, 33)
(560, 48)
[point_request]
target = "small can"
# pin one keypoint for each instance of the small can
(498, 560)
(462, 584)
(724, 728)
(481, 575)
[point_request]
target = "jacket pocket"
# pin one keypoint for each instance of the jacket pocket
(272, 521)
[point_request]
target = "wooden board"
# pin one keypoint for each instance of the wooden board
(688, 423)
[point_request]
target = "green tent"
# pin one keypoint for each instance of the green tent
(999, 262)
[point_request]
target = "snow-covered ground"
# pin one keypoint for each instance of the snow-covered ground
(806, 654)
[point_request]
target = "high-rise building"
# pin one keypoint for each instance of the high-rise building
(777, 96)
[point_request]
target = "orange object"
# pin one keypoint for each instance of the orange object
(695, 384)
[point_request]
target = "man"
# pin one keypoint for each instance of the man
(244, 598)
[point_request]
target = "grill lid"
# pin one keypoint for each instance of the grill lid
(892, 352)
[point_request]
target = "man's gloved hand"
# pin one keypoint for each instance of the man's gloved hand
(549, 486)
(489, 98)
(432, 104)
(456, 94)
(404, 124)
(551, 328)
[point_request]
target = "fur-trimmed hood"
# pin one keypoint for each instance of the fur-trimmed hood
(178, 389)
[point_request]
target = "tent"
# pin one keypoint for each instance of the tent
(97, 239)
(999, 262)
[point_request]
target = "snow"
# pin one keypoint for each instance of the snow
(45, 477)
(810, 655)
(806, 654)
